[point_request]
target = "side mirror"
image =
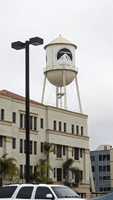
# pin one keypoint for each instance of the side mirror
(49, 196)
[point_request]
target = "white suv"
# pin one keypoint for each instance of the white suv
(37, 191)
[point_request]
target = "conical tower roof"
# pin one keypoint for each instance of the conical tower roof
(60, 40)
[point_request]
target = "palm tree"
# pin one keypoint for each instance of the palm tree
(43, 165)
(48, 148)
(8, 166)
(67, 166)
(40, 176)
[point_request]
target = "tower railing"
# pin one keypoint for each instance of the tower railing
(54, 67)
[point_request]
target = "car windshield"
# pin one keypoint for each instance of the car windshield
(64, 192)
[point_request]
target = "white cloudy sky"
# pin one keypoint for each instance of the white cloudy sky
(86, 23)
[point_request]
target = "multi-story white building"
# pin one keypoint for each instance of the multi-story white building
(102, 168)
(66, 129)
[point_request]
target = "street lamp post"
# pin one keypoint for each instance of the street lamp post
(18, 46)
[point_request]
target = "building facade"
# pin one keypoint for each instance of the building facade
(66, 129)
(101, 161)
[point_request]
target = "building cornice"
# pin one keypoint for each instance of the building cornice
(87, 151)
(31, 131)
(8, 139)
(67, 111)
(20, 99)
(4, 122)
(31, 113)
(67, 134)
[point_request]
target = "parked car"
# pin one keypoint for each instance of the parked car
(37, 191)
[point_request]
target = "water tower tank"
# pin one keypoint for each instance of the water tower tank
(60, 68)
(60, 56)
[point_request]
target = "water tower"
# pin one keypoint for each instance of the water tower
(60, 69)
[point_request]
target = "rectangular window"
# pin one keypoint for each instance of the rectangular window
(72, 152)
(101, 189)
(24, 146)
(0, 141)
(59, 174)
(60, 126)
(14, 117)
(105, 189)
(108, 168)
(54, 173)
(41, 147)
(59, 151)
(72, 128)
(92, 158)
(76, 153)
(77, 130)
(93, 168)
(81, 130)
(100, 168)
(41, 122)
(2, 114)
(81, 153)
(14, 143)
(54, 125)
(21, 146)
(108, 177)
(108, 157)
(104, 168)
(35, 122)
(109, 188)
(30, 147)
(81, 172)
(100, 178)
(100, 157)
(64, 148)
(64, 127)
(24, 121)
(35, 147)
(21, 171)
(54, 148)
(104, 178)
(30, 122)
(21, 120)
(104, 157)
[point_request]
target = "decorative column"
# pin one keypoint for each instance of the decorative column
(8, 145)
(69, 155)
(86, 166)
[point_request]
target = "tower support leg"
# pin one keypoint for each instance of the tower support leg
(80, 107)
(44, 88)
(61, 97)
(57, 96)
(64, 84)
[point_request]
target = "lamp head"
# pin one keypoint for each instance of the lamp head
(18, 45)
(36, 41)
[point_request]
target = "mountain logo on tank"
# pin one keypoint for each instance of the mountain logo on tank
(64, 56)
